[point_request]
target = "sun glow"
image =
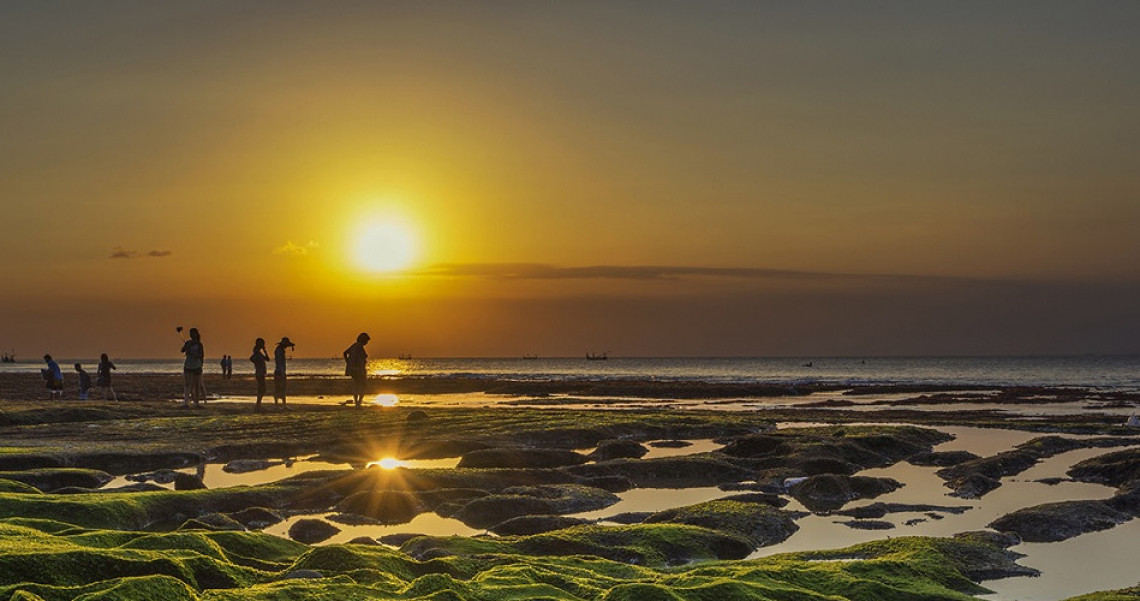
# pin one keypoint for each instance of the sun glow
(386, 400)
(384, 245)
(388, 463)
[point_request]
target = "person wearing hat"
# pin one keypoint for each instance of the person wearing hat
(356, 366)
(279, 369)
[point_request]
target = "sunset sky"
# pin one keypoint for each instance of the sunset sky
(643, 178)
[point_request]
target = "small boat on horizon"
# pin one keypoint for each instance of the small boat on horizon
(9, 357)
(593, 357)
(404, 357)
(530, 357)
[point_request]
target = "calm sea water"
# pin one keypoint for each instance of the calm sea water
(1121, 372)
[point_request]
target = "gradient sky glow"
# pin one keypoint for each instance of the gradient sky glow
(666, 178)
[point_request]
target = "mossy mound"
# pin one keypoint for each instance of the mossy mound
(521, 457)
(13, 486)
(666, 472)
(50, 479)
(1054, 522)
(488, 511)
(829, 492)
(830, 450)
(61, 565)
(639, 544)
(386, 506)
(759, 523)
(618, 449)
(1129, 594)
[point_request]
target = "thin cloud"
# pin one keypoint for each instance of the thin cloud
(293, 249)
(542, 271)
(121, 253)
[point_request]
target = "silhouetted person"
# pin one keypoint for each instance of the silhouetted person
(192, 368)
(279, 369)
(222, 364)
(228, 368)
(260, 359)
(84, 382)
(103, 377)
(356, 366)
(53, 378)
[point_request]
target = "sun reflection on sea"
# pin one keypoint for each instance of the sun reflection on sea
(387, 367)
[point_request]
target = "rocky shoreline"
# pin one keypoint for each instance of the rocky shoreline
(519, 474)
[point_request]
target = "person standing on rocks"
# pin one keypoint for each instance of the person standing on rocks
(103, 377)
(84, 382)
(53, 377)
(260, 359)
(356, 367)
(279, 359)
(192, 369)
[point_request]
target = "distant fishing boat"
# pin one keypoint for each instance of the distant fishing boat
(530, 357)
(404, 357)
(9, 357)
(593, 357)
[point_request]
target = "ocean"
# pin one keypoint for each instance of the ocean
(1111, 372)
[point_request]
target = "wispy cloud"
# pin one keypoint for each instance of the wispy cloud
(120, 253)
(291, 248)
(542, 271)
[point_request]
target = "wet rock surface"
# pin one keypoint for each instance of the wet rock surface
(830, 492)
(878, 510)
(536, 524)
(310, 531)
(1054, 522)
(521, 458)
(867, 524)
(521, 501)
(384, 506)
(666, 472)
(618, 449)
(941, 458)
(761, 524)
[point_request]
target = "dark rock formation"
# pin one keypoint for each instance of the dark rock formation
(618, 449)
(830, 492)
(535, 524)
(1059, 521)
(310, 531)
(941, 458)
(385, 506)
(522, 458)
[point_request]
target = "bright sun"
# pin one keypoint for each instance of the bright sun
(384, 245)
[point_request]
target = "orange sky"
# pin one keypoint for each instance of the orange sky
(712, 178)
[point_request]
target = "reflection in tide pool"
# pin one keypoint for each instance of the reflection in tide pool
(425, 523)
(1090, 562)
(386, 400)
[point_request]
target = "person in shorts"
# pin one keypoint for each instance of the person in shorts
(84, 382)
(53, 378)
(192, 368)
(103, 377)
(279, 359)
(356, 367)
(260, 359)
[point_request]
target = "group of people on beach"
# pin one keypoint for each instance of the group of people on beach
(355, 359)
(53, 378)
(194, 391)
